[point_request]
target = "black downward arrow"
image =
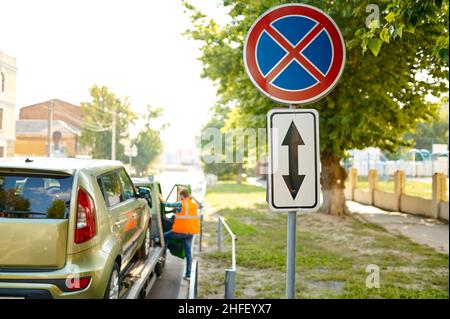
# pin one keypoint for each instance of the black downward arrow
(293, 140)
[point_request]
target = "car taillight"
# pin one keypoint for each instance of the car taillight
(78, 283)
(85, 226)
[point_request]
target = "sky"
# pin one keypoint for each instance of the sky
(134, 47)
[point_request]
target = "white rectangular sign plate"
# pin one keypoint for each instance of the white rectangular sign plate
(294, 160)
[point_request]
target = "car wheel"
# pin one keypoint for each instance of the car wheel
(144, 250)
(113, 287)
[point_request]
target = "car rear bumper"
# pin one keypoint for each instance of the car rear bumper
(17, 293)
(95, 264)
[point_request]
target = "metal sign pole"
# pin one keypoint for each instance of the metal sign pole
(290, 258)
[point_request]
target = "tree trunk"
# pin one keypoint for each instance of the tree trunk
(333, 185)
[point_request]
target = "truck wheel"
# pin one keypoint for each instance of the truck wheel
(144, 250)
(113, 287)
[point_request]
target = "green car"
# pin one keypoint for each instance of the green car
(69, 228)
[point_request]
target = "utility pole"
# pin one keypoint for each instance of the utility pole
(50, 128)
(113, 142)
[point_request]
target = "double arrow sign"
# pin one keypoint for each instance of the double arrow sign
(293, 159)
(293, 140)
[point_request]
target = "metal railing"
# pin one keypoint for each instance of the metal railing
(193, 284)
(230, 274)
(200, 239)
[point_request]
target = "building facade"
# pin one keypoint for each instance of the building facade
(32, 138)
(32, 130)
(63, 111)
(8, 71)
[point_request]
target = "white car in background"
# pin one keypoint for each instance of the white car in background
(185, 175)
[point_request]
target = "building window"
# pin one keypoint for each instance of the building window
(2, 151)
(1, 119)
(2, 82)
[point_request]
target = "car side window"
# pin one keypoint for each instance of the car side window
(127, 185)
(111, 190)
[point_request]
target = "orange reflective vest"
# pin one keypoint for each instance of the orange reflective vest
(187, 221)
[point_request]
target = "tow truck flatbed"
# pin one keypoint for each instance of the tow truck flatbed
(142, 275)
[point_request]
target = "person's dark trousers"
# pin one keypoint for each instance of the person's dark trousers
(187, 242)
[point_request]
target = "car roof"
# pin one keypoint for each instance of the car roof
(67, 165)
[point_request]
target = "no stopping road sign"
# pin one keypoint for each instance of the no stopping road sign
(294, 54)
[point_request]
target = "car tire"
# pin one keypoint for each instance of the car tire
(113, 287)
(144, 250)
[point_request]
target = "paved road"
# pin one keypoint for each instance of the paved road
(422, 230)
(168, 285)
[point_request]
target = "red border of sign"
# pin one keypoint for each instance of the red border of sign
(309, 95)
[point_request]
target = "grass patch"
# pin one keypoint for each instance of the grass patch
(232, 187)
(332, 253)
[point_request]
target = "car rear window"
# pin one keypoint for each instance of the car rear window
(35, 196)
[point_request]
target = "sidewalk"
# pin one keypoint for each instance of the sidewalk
(419, 229)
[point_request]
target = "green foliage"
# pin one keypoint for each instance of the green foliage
(409, 16)
(148, 142)
(376, 100)
(97, 130)
(225, 171)
(98, 114)
(429, 133)
(228, 187)
(379, 97)
(375, 45)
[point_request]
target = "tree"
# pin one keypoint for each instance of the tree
(224, 171)
(98, 113)
(148, 141)
(376, 101)
(406, 16)
(428, 133)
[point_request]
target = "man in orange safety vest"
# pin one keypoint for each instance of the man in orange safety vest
(186, 224)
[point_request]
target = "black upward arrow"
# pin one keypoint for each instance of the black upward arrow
(293, 140)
